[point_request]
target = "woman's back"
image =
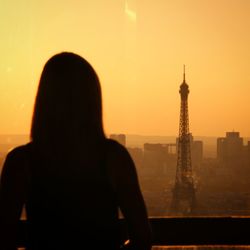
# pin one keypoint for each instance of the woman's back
(73, 207)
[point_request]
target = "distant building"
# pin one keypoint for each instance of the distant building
(196, 152)
(247, 154)
(230, 148)
(137, 155)
(248, 150)
(121, 138)
(156, 147)
(159, 159)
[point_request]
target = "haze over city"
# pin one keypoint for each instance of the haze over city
(138, 49)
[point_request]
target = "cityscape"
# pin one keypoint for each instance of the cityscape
(222, 180)
(177, 179)
(212, 182)
(179, 172)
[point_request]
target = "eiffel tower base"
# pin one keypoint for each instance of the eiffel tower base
(183, 201)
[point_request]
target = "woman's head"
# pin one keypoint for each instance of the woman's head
(68, 105)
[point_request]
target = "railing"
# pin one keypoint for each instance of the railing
(177, 231)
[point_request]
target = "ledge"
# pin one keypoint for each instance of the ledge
(177, 231)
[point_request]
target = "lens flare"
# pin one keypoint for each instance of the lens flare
(129, 12)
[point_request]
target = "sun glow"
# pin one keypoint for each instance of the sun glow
(137, 49)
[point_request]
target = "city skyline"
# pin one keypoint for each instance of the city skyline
(138, 49)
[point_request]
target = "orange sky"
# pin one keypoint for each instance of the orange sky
(138, 48)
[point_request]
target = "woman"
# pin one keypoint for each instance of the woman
(70, 177)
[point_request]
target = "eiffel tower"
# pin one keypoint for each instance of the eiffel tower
(183, 200)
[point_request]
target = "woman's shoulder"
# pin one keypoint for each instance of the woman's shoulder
(16, 158)
(113, 143)
(18, 152)
(118, 157)
(15, 163)
(115, 149)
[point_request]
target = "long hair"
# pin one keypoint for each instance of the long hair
(68, 106)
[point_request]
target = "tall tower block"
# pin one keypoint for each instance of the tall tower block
(183, 200)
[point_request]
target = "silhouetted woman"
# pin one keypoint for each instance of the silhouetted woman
(70, 177)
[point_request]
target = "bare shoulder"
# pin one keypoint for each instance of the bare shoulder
(117, 153)
(15, 160)
(14, 184)
(115, 147)
(18, 151)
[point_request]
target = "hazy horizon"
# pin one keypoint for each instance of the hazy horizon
(145, 135)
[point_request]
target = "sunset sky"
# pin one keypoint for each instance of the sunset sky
(138, 48)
